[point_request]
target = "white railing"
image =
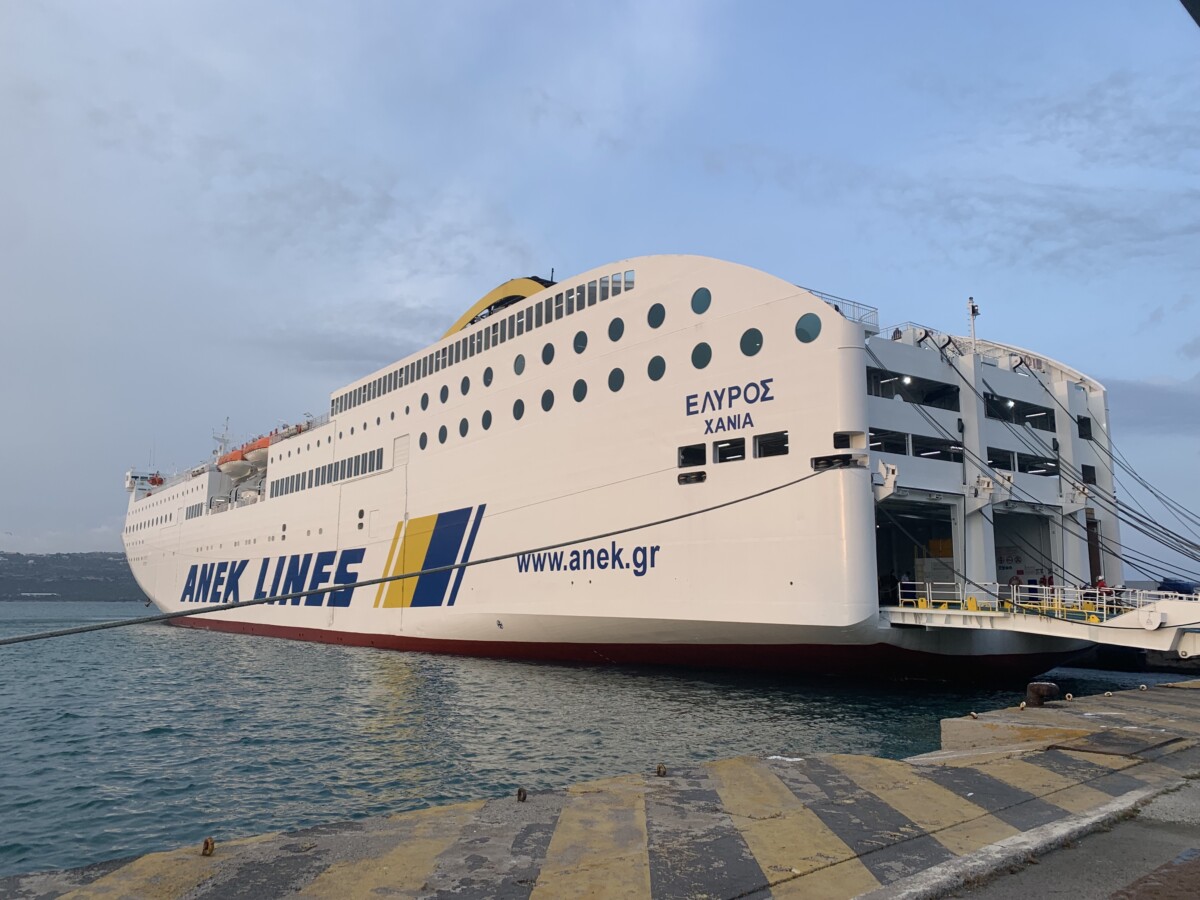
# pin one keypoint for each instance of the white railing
(1081, 604)
(851, 309)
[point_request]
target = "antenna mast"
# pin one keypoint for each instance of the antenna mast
(972, 314)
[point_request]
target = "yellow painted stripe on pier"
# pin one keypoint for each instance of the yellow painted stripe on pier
(403, 871)
(600, 847)
(786, 837)
(387, 566)
(960, 825)
(1050, 786)
(164, 876)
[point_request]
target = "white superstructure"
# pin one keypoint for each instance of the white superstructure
(650, 389)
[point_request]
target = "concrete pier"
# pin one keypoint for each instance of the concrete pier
(1007, 785)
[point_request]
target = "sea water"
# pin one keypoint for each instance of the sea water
(148, 737)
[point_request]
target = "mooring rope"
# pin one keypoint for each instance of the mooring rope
(243, 604)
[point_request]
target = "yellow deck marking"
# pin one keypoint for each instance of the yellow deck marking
(786, 837)
(403, 871)
(387, 566)
(1048, 785)
(164, 876)
(599, 847)
(958, 824)
(1108, 760)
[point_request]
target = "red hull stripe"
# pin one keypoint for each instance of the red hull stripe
(846, 659)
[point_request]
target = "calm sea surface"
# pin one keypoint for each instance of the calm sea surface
(148, 737)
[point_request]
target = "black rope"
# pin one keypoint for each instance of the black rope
(243, 604)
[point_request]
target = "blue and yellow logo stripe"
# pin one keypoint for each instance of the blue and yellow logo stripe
(429, 542)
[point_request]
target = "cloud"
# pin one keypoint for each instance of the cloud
(1191, 349)
(1160, 407)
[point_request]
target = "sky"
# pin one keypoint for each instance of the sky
(221, 210)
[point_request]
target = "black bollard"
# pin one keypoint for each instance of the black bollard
(1038, 692)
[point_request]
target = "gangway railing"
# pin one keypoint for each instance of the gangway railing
(1152, 620)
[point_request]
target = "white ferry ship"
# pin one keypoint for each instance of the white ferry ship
(804, 467)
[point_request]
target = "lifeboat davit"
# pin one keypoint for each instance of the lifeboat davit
(234, 464)
(255, 452)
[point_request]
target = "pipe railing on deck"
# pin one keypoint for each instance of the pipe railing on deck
(1091, 605)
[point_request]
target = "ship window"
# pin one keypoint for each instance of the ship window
(1085, 428)
(629, 280)
(884, 441)
(731, 450)
(442, 435)
(465, 385)
(752, 341)
(701, 355)
(520, 323)
(1036, 465)
(487, 419)
(701, 300)
(548, 303)
(547, 400)
(604, 288)
(379, 458)
(616, 328)
(519, 363)
(444, 393)
(355, 462)
(656, 315)
(936, 448)
(579, 391)
(692, 455)
(616, 380)
(462, 428)
(488, 336)
(1000, 459)
(529, 319)
(616, 283)
(656, 368)
(591, 293)
(537, 315)
(548, 354)
(558, 306)
(309, 480)
(518, 409)
(580, 341)
(841, 440)
(487, 377)
(808, 328)
(570, 301)
(1089, 473)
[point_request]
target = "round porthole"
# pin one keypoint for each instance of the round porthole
(487, 377)
(579, 391)
(616, 328)
(424, 440)
(444, 393)
(656, 315)
(616, 380)
(656, 368)
(424, 401)
(548, 354)
(547, 400)
(487, 419)
(519, 363)
(518, 409)
(580, 341)
(465, 386)
(442, 435)
(808, 327)
(701, 300)
(752, 341)
(462, 428)
(701, 355)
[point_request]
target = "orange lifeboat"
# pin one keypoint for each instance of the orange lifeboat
(255, 452)
(234, 464)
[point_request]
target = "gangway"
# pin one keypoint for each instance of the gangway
(1147, 620)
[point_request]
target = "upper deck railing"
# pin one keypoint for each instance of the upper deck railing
(868, 316)
(1090, 605)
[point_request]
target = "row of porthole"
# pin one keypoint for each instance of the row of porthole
(807, 329)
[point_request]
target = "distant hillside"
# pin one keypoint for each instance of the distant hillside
(66, 576)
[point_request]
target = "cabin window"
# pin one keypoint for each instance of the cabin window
(580, 343)
(1085, 427)
(936, 448)
(692, 455)
(558, 306)
(591, 293)
(629, 280)
(547, 400)
(656, 368)
(773, 444)
(616, 283)
(570, 301)
(885, 441)
(1089, 473)
(701, 355)
(731, 450)
(616, 328)
(656, 315)
(1037, 465)
(604, 288)
(537, 316)
(487, 419)
(442, 435)
(547, 354)
(701, 300)
(579, 391)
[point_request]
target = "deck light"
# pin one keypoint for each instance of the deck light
(907, 379)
